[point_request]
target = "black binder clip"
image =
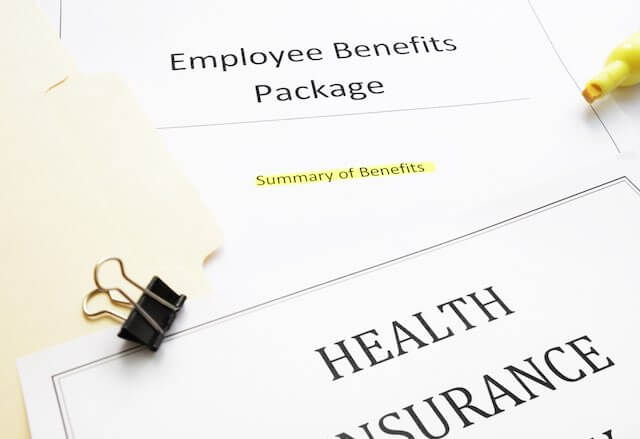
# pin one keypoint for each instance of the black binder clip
(150, 318)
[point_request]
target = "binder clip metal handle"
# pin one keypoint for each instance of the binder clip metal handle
(151, 315)
(96, 279)
(103, 312)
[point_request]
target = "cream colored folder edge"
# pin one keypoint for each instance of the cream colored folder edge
(83, 175)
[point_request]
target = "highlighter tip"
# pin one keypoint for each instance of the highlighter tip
(591, 92)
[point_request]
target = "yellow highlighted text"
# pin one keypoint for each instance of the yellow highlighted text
(334, 175)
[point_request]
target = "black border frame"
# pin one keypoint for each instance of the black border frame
(55, 378)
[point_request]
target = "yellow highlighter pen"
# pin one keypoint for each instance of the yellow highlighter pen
(622, 69)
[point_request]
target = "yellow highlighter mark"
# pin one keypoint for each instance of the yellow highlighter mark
(334, 175)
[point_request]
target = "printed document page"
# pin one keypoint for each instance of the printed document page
(519, 326)
(329, 136)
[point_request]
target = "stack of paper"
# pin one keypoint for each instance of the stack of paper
(346, 151)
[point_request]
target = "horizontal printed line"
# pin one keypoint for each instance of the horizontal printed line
(364, 113)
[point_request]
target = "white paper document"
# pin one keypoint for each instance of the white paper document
(395, 116)
(519, 325)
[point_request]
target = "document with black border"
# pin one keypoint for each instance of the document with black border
(518, 326)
